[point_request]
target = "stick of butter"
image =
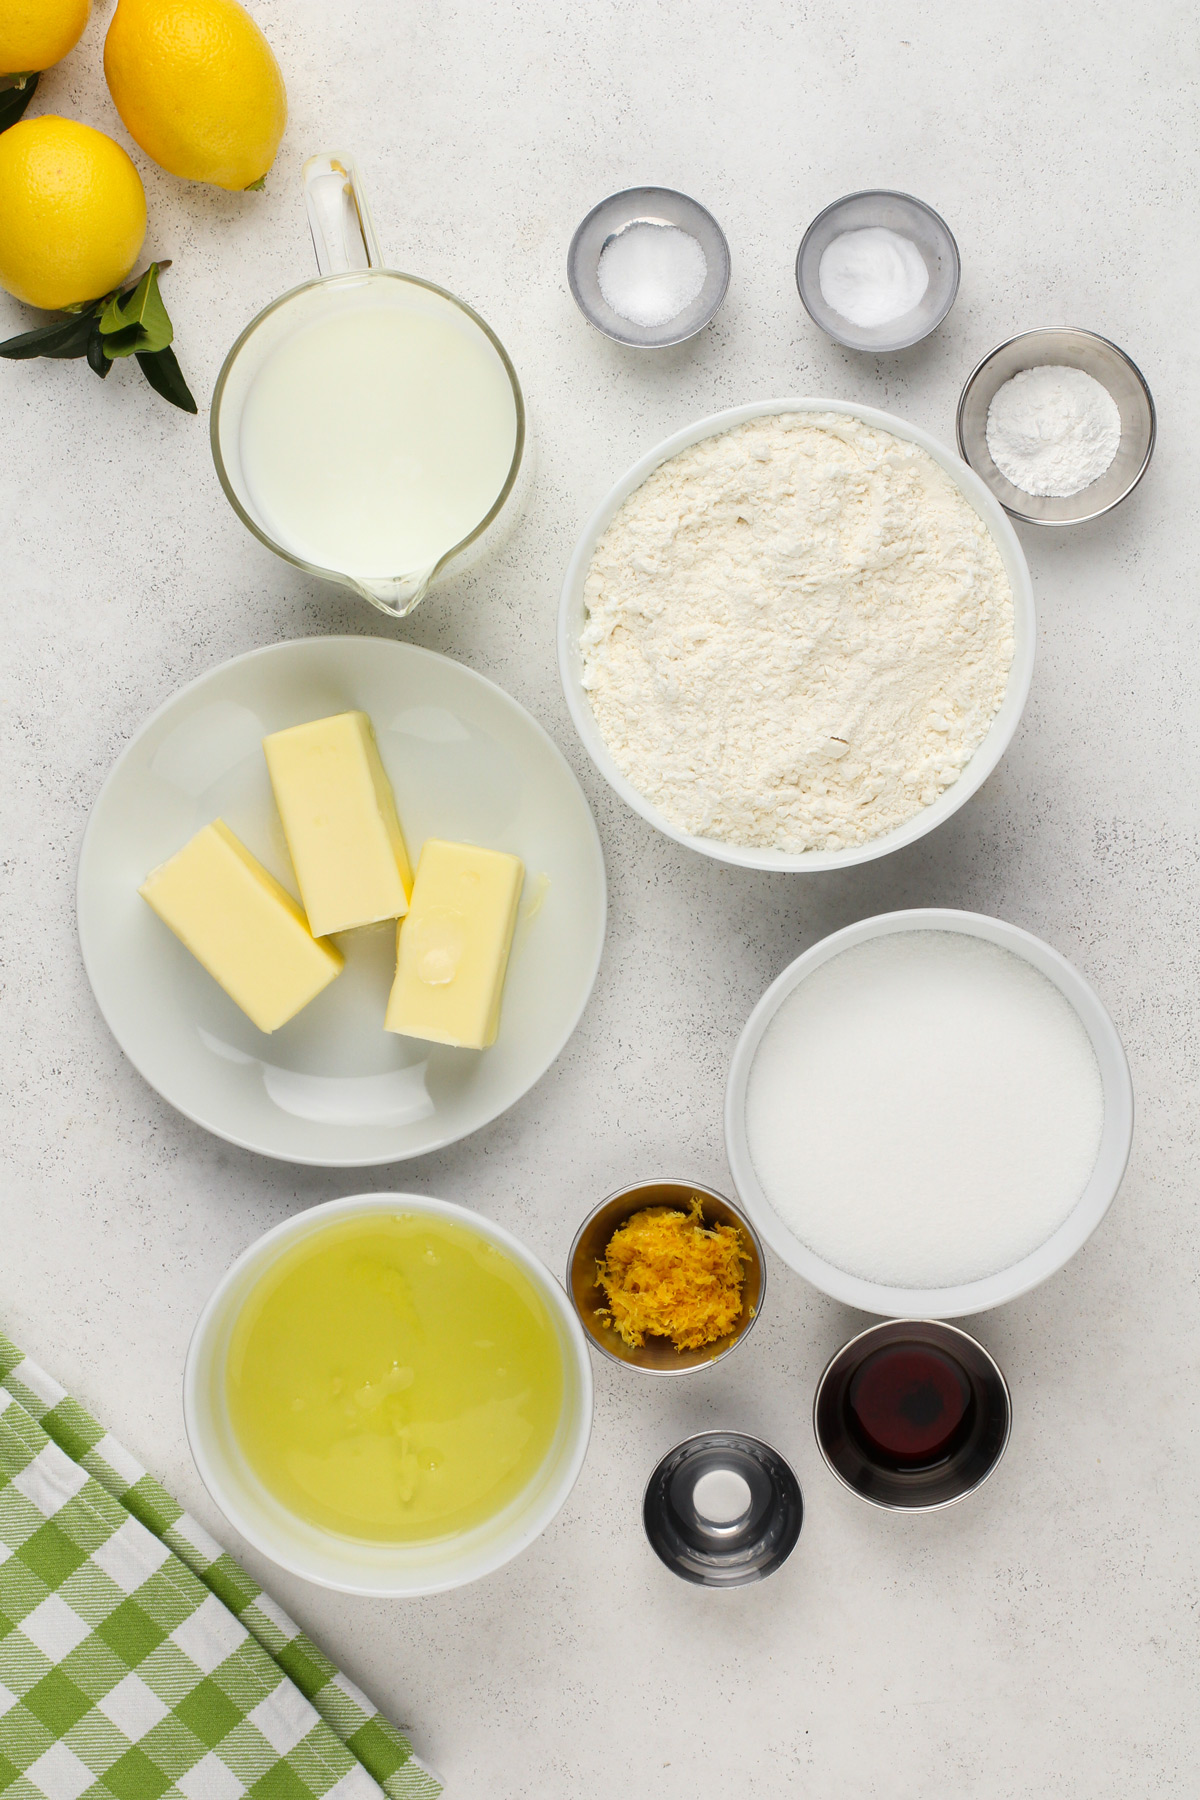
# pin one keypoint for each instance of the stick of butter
(242, 926)
(340, 822)
(452, 949)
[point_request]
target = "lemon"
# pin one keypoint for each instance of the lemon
(197, 87)
(72, 212)
(35, 34)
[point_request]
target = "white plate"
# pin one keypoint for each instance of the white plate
(572, 613)
(1116, 1135)
(332, 1087)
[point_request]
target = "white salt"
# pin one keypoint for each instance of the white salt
(650, 273)
(872, 276)
(925, 1109)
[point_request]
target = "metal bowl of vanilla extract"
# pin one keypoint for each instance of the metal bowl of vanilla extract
(912, 1415)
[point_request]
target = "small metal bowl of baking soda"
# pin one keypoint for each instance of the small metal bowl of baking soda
(701, 1257)
(649, 267)
(1060, 424)
(878, 270)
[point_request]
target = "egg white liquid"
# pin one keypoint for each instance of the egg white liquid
(377, 437)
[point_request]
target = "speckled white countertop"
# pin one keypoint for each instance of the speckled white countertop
(1042, 1639)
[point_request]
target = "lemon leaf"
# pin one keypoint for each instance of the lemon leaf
(162, 371)
(65, 338)
(137, 321)
(121, 343)
(255, 187)
(16, 91)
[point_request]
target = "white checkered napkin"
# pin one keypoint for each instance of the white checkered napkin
(137, 1660)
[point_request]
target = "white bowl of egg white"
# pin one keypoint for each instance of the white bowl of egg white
(761, 622)
(928, 1113)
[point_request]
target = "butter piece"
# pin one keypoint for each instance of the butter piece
(242, 926)
(340, 822)
(452, 949)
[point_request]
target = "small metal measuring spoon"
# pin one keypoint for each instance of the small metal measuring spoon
(722, 1509)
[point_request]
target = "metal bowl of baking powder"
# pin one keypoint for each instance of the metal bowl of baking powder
(1071, 348)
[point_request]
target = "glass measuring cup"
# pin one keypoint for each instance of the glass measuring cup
(368, 426)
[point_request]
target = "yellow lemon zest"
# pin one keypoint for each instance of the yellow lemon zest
(666, 1274)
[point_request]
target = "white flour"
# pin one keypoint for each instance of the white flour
(925, 1109)
(798, 633)
(1053, 431)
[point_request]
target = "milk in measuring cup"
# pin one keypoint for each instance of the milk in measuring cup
(377, 435)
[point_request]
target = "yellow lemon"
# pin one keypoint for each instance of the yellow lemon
(72, 212)
(197, 87)
(35, 34)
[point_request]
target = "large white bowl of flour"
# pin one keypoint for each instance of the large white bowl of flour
(928, 1113)
(780, 711)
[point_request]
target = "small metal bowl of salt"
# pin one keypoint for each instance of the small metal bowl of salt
(1059, 423)
(878, 270)
(649, 267)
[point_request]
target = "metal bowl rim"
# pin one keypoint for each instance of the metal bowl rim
(703, 1437)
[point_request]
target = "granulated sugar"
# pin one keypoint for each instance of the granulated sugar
(925, 1109)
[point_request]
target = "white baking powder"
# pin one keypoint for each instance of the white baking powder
(924, 1109)
(1052, 431)
(797, 634)
(649, 273)
(872, 276)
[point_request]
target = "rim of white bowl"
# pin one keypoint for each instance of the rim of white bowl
(1003, 726)
(1116, 1134)
(206, 1343)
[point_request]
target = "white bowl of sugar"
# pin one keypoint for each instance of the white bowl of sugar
(928, 1113)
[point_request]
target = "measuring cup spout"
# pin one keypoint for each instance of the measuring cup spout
(339, 217)
(398, 594)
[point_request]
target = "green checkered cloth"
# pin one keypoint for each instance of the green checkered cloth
(137, 1660)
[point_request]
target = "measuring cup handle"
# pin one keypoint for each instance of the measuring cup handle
(343, 231)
